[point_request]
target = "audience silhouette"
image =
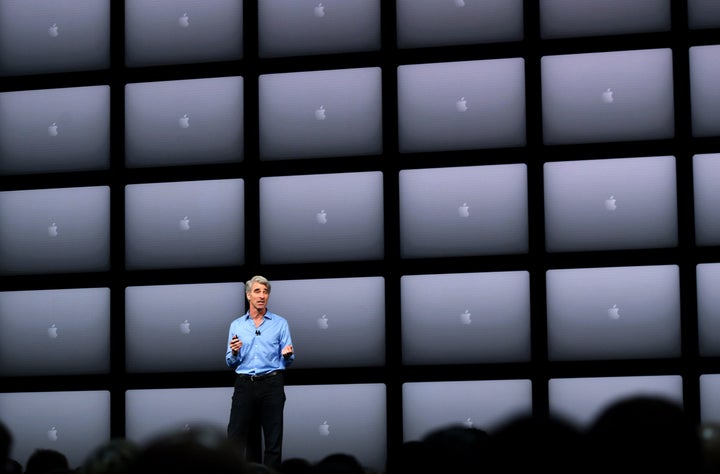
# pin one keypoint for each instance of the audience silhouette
(635, 434)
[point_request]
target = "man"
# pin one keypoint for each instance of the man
(259, 349)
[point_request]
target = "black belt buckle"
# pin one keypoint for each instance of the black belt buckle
(254, 377)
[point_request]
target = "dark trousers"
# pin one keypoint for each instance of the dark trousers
(259, 402)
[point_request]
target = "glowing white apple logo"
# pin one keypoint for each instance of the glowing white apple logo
(321, 217)
(53, 130)
(184, 20)
(52, 331)
(184, 121)
(461, 104)
(52, 434)
(614, 312)
(185, 223)
(468, 423)
(323, 322)
(319, 10)
(320, 113)
(464, 210)
(460, 3)
(611, 203)
(466, 317)
(324, 428)
(185, 327)
(53, 230)
(53, 30)
(607, 96)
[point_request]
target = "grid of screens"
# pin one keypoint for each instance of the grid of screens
(458, 199)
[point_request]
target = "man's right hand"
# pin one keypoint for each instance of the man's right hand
(235, 345)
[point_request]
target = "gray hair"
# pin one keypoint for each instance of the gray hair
(257, 279)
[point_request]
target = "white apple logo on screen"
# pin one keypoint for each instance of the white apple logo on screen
(52, 434)
(610, 203)
(184, 20)
(185, 327)
(320, 113)
(460, 3)
(614, 312)
(461, 104)
(468, 423)
(53, 30)
(321, 217)
(53, 130)
(185, 223)
(464, 210)
(319, 10)
(52, 331)
(323, 322)
(184, 121)
(186, 427)
(607, 96)
(324, 428)
(53, 230)
(466, 317)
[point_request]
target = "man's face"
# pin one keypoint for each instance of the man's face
(258, 296)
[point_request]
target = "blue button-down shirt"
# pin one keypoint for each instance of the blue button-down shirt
(261, 347)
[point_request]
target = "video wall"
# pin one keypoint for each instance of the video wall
(508, 206)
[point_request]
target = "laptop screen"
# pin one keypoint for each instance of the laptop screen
(708, 308)
(482, 404)
(706, 195)
(318, 114)
(72, 422)
(335, 322)
(461, 105)
(321, 218)
(488, 320)
(185, 122)
(60, 230)
(428, 23)
(326, 419)
(156, 412)
(184, 224)
(610, 204)
(164, 32)
(607, 97)
(306, 27)
(580, 400)
(193, 318)
(613, 312)
(55, 130)
(468, 210)
(73, 325)
(709, 405)
(56, 36)
(703, 14)
(704, 97)
(569, 18)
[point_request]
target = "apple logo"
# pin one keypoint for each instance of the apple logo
(324, 428)
(53, 230)
(464, 210)
(614, 312)
(52, 331)
(319, 10)
(320, 113)
(323, 322)
(184, 121)
(53, 130)
(468, 423)
(461, 104)
(321, 217)
(607, 96)
(53, 30)
(465, 317)
(184, 20)
(185, 223)
(460, 3)
(186, 427)
(610, 203)
(52, 434)
(185, 327)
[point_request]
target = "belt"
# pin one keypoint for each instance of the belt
(256, 377)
